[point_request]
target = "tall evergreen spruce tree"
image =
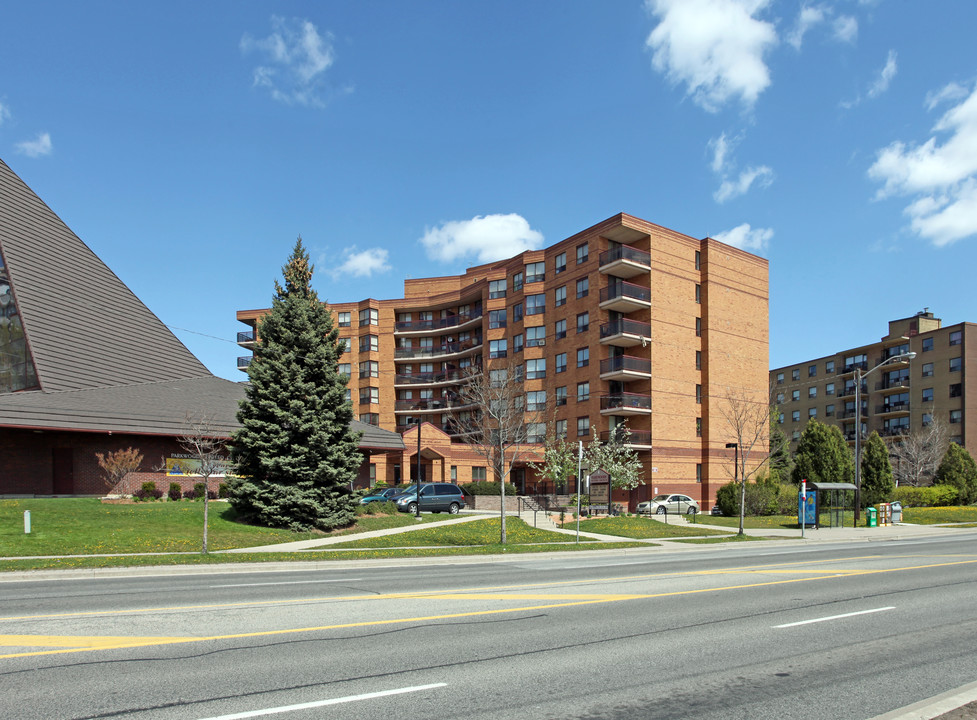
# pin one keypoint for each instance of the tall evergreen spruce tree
(295, 452)
(822, 455)
(877, 483)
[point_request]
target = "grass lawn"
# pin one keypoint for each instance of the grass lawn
(85, 526)
(938, 515)
(477, 532)
(640, 527)
(723, 539)
(759, 522)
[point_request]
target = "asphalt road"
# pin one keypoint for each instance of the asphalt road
(746, 631)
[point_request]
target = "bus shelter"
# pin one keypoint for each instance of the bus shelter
(832, 500)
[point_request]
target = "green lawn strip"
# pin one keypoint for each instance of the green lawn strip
(474, 533)
(939, 515)
(86, 526)
(81, 563)
(640, 528)
(723, 539)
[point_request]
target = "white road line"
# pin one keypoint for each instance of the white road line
(835, 617)
(292, 582)
(323, 703)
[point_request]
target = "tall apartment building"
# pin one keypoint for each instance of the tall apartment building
(895, 399)
(625, 322)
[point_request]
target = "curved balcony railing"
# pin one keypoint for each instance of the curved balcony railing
(245, 336)
(430, 378)
(436, 324)
(636, 437)
(244, 361)
(434, 351)
(418, 404)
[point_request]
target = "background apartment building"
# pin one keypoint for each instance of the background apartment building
(625, 323)
(895, 399)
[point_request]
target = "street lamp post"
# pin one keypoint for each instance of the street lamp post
(736, 466)
(859, 376)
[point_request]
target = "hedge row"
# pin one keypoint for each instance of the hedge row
(935, 496)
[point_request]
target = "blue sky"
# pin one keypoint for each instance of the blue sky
(190, 143)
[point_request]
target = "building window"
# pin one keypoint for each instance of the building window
(536, 432)
(829, 389)
(698, 472)
(698, 394)
(535, 272)
(517, 343)
(370, 418)
(796, 435)
(829, 366)
(561, 395)
(560, 331)
(344, 369)
(536, 369)
(536, 336)
(698, 327)
(535, 400)
(369, 395)
(927, 344)
(561, 296)
(478, 474)
(829, 410)
(956, 337)
(795, 395)
(496, 319)
(956, 390)
(583, 288)
(583, 391)
(582, 253)
(497, 349)
(345, 344)
(373, 474)
(795, 374)
(927, 369)
(369, 316)
(344, 319)
(497, 288)
(583, 357)
(583, 322)
(698, 359)
(517, 282)
(927, 419)
(370, 368)
(955, 364)
(369, 343)
(560, 263)
(956, 416)
(517, 312)
(812, 371)
(454, 473)
(348, 396)
(561, 428)
(795, 416)
(812, 413)
(927, 395)
(812, 392)
(583, 426)
(561, 363)
(780, 419)
(698, 294)
(698, 260)
(535, 304)
(698, 427)
(780, 378)
(780, 398)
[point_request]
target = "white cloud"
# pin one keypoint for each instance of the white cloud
(729, 189)
(845, 28)
(714, 47)
(363, 263)
(941, 177)
(38, 147)
(885, 77)
(296, 56)
(746, 238)
(808, 17)
(486, 237)
(720, 147)
(4, 113)
(949, 93)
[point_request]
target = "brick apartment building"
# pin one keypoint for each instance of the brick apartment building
(896, 399)
(626, 322)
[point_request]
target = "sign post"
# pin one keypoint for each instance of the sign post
(579, 488)
(803, 512)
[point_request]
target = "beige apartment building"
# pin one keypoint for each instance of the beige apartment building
(625, 323)
(897, 398)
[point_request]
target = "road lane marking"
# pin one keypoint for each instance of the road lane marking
(323, 703)
(290, 582)
(835, 617)
(87, 642)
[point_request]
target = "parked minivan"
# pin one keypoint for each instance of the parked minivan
(434, 497)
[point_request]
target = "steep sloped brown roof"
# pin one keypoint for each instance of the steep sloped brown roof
(84, 327)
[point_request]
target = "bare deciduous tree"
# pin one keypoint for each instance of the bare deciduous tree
(498, 427)
(916, 456)
(207, 447)
(117, 465)
(747, 418)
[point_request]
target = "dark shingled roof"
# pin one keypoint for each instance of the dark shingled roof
(104, 361)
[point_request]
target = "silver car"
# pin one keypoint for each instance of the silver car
(673, 504)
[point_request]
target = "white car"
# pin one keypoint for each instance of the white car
(672, 504)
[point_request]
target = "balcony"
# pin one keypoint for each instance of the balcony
(897, 431)
(625, 368)
(440, 378)
(637, 438)
(246, 339)
(625, 404)
(625, 297)
(624, 262)
(890, 363)
(625, 333)
(888, 384)
(432, 405)
(458, 322)
(851, 367)
(443, 351)
(243, 362)
(897, 408)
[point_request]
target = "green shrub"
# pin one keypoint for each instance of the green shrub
(190, 494)
(935, 496)
(222, 490)
(148, 491)
(482, 487)
(376, 508)
(176, 492)
(765, 496)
